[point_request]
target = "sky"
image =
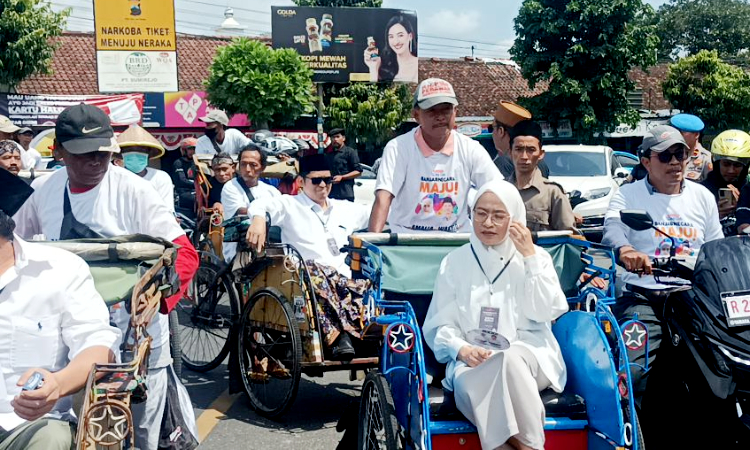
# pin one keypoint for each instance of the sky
(447, 28)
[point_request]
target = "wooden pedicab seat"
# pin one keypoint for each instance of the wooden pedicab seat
(587, 414)
(136, 268)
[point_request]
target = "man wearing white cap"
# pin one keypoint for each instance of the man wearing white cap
(218, 138)
(425, 175)
(8, 132)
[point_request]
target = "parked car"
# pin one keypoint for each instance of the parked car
(590, 174)
(627, 160)
(364, 186)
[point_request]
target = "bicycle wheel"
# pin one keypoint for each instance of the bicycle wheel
(378, 426)
(205, 319)
(270, 352)
(174, 343)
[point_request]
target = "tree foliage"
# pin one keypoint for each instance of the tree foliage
(584, 50)
(717, 92)
(339, 3)
(689, 26)
(266, 84)
(369, 112)
(26, 31)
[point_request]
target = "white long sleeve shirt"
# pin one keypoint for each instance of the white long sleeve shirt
(308, 228)
(50, 312)
(528, 296)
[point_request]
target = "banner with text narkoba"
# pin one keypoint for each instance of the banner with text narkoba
(136, 45)
(342, 45)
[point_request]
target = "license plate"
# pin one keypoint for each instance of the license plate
(737, 308)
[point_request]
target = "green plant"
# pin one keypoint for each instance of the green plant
(268, 85)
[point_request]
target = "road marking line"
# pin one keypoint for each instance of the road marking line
(214, 414)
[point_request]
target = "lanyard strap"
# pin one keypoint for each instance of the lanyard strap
(325, 224)
(492, 282)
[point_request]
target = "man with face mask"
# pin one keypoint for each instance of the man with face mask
(218, 138)
(137, 146)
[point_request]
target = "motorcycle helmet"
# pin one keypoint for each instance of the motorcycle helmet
(262, 135)
(733, 145)
(302, 145)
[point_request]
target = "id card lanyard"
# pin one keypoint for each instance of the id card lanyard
(332, 246)
(492, 282)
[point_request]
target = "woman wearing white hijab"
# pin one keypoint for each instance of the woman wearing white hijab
(504, 283)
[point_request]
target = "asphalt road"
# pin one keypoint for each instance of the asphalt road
(309, 424)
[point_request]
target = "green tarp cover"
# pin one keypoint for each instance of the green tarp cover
(115, 281)
(413, 269)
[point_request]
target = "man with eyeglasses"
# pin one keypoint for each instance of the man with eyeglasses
(681, 208)
(317, 226)
(507, 116)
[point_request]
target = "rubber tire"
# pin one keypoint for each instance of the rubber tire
(375, 381)
(175, 346)
(234, 311)
(295, 370)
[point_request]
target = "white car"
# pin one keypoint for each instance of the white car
(364, 186)
(590, 175)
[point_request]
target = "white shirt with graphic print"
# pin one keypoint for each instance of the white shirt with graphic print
(691, 217)
(431, 193)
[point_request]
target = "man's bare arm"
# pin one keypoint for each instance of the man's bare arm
(380, 209)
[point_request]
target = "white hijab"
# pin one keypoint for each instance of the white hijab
(494, 258)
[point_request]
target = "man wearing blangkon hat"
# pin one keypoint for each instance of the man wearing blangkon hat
(91, 198)
(507, 116)
(674, 204)
(218, 138)
(425, 175)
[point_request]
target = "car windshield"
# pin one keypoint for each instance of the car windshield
(576, 164)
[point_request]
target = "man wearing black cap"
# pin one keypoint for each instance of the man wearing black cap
(547, 206)
(91, 198)
(344, 164)
(685, 210)
(317, 226)
(53, 322)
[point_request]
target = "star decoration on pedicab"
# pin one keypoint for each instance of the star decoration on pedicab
(635, 336)
(401, 338)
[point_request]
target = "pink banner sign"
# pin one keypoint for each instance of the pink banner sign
(183, 109)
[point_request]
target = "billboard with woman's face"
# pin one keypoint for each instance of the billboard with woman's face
(343, 45)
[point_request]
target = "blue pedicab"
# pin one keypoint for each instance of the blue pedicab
(403, 404)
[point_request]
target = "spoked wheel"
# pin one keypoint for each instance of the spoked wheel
(378, 426)
(205, 319)
(270, 352)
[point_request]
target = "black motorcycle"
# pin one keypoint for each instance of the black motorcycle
(698, 395)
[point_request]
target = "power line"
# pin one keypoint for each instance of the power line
(239, 8)
(461, 40)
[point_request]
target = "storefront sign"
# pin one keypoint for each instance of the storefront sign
(42, 110)
(342, 45)
(136, 45)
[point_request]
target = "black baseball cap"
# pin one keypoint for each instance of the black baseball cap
(82, 129)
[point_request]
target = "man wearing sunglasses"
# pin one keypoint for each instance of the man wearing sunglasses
(317, 226)
(681, 208)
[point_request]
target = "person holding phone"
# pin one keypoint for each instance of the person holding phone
(731, 154)
(398, 61)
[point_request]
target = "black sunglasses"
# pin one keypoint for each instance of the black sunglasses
(317, 180)
(665, 157)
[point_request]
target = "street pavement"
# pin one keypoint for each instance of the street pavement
(310, 423)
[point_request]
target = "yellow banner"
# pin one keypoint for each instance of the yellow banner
(135, 25)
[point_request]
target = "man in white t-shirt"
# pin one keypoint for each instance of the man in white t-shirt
(317, 226)
(425, 175)
(90, 198)
(137, 146)
(681, 208)
(240, 192)
(218, 138)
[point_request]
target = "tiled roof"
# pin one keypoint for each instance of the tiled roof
(74, 65)
(478, 85)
